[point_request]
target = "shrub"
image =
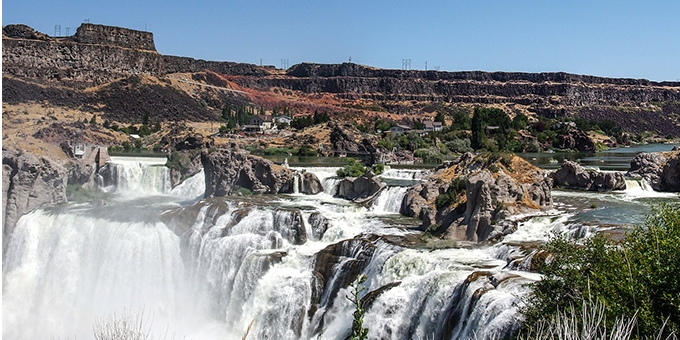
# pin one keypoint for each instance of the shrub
(429, 155)
(636, 276)
(358, 330)
(354, 168)
(306, 150)
(456, 187)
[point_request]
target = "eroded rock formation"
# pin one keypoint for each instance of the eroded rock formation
(660, 169)
(28, 182)
(226, 171)
(573, 175)
(471, 197)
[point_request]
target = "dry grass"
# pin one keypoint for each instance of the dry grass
(522, 171)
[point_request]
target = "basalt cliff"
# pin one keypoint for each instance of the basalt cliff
(118, 74)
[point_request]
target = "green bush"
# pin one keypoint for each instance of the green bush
(457, 186)
(429, 155)
(635, 276)
(306, 150)
(354, 168)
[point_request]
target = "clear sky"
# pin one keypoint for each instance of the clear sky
(627, 39)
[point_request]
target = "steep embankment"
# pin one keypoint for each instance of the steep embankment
(90, 70)
(636, 104)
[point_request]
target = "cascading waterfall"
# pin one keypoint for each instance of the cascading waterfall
(274, 267)
(65, 268)
(193, 187)
(136, 175)
(389, 200)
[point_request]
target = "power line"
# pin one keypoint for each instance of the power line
(406, 64)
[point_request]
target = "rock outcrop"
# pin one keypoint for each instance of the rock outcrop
(670, 175)
(28, 182)
(226, 171)
(344, 141)
(362, 187)
(572, 175)
(471, 197)
(310, 184)
(660, 169)
(574, 139)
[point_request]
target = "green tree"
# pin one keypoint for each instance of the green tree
(440, 117)
(353, 168)
(636, 276)
(382, 125)
(478, 128)
(461, 120)
(520, 122)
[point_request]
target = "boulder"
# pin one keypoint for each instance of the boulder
(82, 174)
(310, 184)
(183, 164)
(573, 175)
(353, 188)
(319, 225)
(574, 139)
(670, 174)
(29, 182)
(470, 198)
(346, 140)
(227, 170)
(648, 166)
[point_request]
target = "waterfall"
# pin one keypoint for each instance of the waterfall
(136, 175)
(276, 266)
(67, 268)
(389, 200)
(404, 174)
(191, 188)
(296, 182)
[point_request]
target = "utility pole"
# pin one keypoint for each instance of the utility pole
(406, 64)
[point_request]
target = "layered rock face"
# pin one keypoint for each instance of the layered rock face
(471, 197)
(117, 36)
(97, 54)
(226, 171)
(100, 54)
(661, 170)
(28, 182)
(574, 176)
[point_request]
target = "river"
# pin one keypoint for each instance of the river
(272, 267)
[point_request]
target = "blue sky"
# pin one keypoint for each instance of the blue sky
(627, 39)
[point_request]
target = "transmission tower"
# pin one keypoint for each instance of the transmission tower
(284, 64)
(68, 29)
(57, 30)
(406, 64)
